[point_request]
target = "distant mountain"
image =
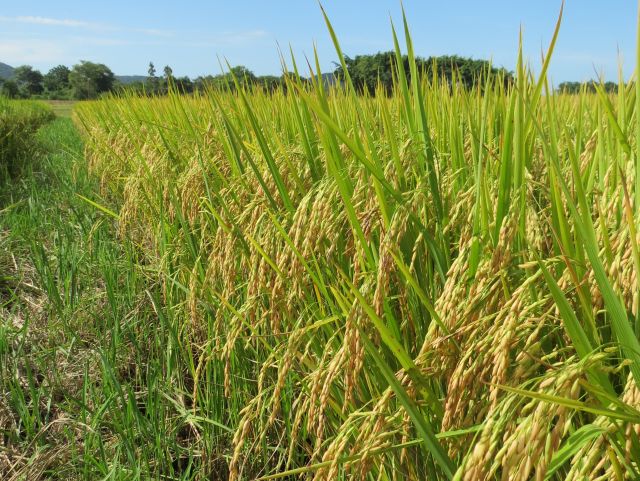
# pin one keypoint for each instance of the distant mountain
(129, 79)
(6, 71)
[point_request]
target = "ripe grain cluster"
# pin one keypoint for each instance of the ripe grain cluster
(437, 283)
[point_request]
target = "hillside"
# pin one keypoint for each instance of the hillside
(6, 71)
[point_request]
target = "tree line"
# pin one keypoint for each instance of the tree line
(576, 87)
(370, 72)
(88, 80)
(85, 80)
(155, 84)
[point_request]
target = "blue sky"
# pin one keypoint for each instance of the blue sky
(126, 35)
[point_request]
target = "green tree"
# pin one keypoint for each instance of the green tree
(200, 82)
(152, 80)
(184, 85)
(10, 89)
(269, 82)
(89, 79)
(57, 79)
(577, 87)
(370, 71)
(29, 80)
(242, 74)
(168, 72)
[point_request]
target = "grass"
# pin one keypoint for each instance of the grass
(79, 340)
(62, 108)
(440, 283)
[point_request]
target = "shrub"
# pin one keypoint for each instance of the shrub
(19, 121)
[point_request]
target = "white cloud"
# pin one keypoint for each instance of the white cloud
(33, 20)
(17, 52)
(221, 39)
(72, 23)
(51, 41)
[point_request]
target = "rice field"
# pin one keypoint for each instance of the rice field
(313, 283)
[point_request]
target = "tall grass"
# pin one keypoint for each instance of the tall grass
(437, 284)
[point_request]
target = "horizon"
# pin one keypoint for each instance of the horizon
(593, 37)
